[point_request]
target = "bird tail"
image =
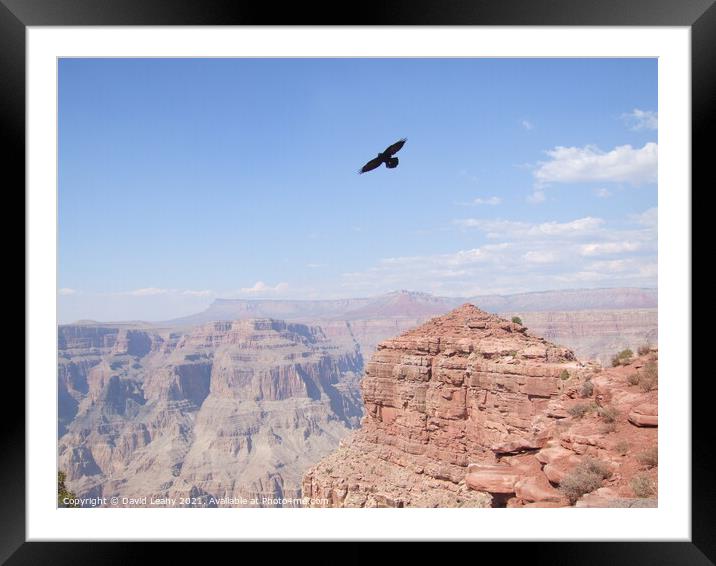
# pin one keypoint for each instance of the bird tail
(392, 163)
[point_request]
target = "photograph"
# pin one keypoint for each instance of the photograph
(357, 282)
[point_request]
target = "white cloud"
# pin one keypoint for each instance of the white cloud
(641, 119)
(66, 291)
(147, 291)
(536, 197)
(512, 229)
(578, 226)
(647, 218)
(602, 193)
(527, 125)
(156, 291)
(522, 256)
(540, 256)
(492, 201)
(623, 164)
(608, 248)
(261, 287)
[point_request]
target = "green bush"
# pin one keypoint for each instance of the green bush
(584, 478)
(633, 378)
(642, 486)
(517, 320)
(623, 358)
(564, 376)
(63, 492)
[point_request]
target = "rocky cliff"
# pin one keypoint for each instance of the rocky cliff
(594, 334)
(473, 410)
(233, 410)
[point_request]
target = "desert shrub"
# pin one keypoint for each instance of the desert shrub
(609, 428)
(633, 378)
(649, 377)
(608, 414)
(517, 320)
(622, 447)
(644, 350)
(649, 457)
(622, 358)
(647, 384)
(597, 467)
(578, 411)
(587, 389)
(642, 486)
(63, 492)
(585, 477)
(564, 376)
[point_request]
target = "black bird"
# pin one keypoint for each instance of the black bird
(385, 157)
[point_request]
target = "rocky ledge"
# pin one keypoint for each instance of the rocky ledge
(473, 410)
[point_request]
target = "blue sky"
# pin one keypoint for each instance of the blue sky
(182, 180)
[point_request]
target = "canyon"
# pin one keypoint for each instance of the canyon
(229, 410)
(237, 402)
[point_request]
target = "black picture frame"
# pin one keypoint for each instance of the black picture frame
(17, 15)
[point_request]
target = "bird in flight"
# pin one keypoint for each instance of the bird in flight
(385, 157)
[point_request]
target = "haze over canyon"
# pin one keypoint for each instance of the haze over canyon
(241, 400)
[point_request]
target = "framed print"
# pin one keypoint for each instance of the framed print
(411, 277)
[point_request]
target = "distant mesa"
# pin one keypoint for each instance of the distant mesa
(410, 303)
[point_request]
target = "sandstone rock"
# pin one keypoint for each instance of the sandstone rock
(646, 414)
(551, 454)
(537, 489)
(453, 397)
(492, 478)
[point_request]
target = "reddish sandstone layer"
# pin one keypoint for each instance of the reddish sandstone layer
(471, 410)
(465, 387)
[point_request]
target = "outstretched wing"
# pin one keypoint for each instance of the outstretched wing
(372, 164)
(395, 148)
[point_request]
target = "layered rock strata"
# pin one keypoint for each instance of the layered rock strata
(471, 410)
(230, 411)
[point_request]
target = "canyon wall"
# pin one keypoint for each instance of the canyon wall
(228, 410)
(594, 334)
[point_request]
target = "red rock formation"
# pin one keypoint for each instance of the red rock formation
(472, 410)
